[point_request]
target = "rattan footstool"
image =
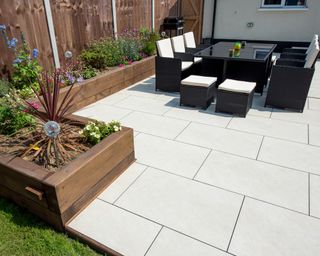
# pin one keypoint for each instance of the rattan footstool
(235, 97)
(197, 91)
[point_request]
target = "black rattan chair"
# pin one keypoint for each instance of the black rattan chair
(298, 53)
(178, 46)
(290, 81)
(171, 67)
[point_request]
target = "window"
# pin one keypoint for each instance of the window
(284, 3)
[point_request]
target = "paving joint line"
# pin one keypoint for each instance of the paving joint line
(235, 225)
(209, 153)
(260, 148)
(154, 240)
(230, 191)
(232, 154)
(174, 139)
(146, 167)
(155, 222)
(309, 195)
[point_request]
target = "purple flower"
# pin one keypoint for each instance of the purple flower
(71, 78)
(2, 27)
(80, 79)
(35, 53)
(12, 43)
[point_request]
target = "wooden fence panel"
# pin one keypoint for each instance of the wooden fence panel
(79, 22)
(133, 14)
(164, 8)
(27, 16)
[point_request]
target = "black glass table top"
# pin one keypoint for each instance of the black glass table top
(252, 51)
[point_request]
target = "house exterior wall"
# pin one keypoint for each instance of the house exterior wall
(207, 18)
(273, 25)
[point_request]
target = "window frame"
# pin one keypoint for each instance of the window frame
(283, 6)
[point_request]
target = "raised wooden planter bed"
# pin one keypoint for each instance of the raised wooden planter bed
(56, 197)
(110, 82)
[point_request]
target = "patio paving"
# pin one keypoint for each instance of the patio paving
(207, 183)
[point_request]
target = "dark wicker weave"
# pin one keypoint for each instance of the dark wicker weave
(197, 96)
(234, 102)
(289, 85)
(169, 73)
(295, 56)
(293, 50)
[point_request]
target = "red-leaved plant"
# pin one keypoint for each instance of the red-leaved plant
(48, 97)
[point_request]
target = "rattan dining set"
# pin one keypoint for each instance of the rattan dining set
(231, 73)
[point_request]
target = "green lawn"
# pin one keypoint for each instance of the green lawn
(21, 233)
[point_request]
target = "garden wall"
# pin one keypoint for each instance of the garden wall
(76, 23)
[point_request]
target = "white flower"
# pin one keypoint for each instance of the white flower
(120, 128)
(115, 128)
(81, 132)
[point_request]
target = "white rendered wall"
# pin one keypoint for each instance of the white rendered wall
(233, 16)
(208, 18)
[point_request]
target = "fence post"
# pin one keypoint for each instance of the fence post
(114, 18)
(152, 15)
(52, 34)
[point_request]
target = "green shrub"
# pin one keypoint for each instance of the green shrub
(26, 69)
(88, 72)
(12, 115)
(96, 131)
(4, 88)
(149, 39)
(12, 120)
(102, 54)
(130, 48)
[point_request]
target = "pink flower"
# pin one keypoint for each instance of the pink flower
(121, 65)
(34, 105)
(130, 62)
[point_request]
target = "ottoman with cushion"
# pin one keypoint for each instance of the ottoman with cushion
(235, 97)
(197, 91)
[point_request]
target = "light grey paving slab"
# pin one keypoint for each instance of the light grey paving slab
(291, 154)
(239, 143)
(144, 105)
(171, 243)
(112, 99)
(115, 228)
(266, 182)
(315, 195)
(258, 108)
(314, 92)
(314, 104)
(200, 211)
(144, 89)
(314, 135)
(103, 113)
(112, 192)
(307, 117)
(271, 127)
(200, 116)
(266, 230)
(168, 155)
(153, 124)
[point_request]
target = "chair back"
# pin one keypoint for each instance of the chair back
(178, 44)
(189, 40)
(312, 55)
(314, 39)
(164, 48)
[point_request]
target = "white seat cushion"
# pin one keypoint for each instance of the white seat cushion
(178, 44)
(197, 60)
(189, 40)
(312, 55)
(186, 64)
(314, 40)
(164, 48)
(237, 86)
(274, 58)
(202, 81)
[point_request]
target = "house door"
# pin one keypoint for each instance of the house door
(192, 12)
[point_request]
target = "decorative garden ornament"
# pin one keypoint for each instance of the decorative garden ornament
(52, 129)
